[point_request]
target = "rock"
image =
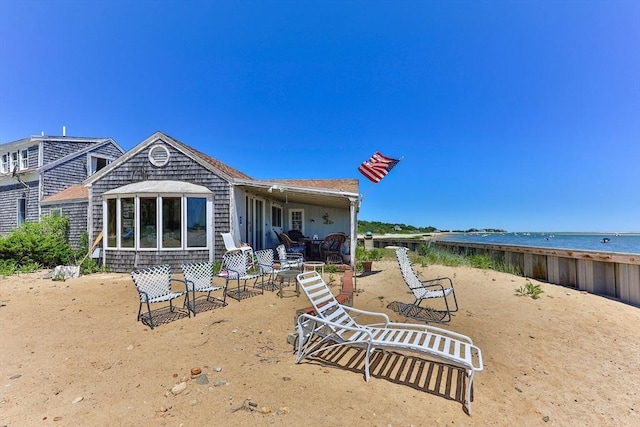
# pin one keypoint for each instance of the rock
(284, 410)
(78, 399)
(179, 388)
(265, 410)
(202, 379)
(15, 377)
(195, 372)
(220, 383)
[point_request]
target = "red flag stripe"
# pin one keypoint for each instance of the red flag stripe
(377, 167)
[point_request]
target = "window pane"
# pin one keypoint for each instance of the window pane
(148, 223)
(127, 222)
(171, 226)
(276, 216)
(296, 220)
(24, 159)
(111, 223)
(22, 211)
(196, 222)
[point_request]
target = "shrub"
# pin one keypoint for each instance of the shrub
(38, 243)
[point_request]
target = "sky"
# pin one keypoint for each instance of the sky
(517, 115)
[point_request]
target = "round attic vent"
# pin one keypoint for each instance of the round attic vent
(159, 155)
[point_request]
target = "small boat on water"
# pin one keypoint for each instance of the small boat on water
(605, 240)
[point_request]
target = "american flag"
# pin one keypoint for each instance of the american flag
(377, 167)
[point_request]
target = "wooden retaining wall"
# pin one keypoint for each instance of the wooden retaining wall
(613, 275)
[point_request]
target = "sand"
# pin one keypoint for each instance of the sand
(72, 353)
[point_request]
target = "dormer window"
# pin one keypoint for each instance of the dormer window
(24, 159)
(4, 166)
(159, 155)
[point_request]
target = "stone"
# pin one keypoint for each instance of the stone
(78, 399)
(179, 388)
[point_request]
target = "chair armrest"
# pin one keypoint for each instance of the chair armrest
(367, 313)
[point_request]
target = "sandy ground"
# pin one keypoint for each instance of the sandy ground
(72, 353)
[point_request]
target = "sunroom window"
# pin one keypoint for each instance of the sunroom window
(152, 222)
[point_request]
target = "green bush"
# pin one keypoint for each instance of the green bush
(41, 243)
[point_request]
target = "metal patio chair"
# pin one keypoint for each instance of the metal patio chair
(422, 290)
(199, 278)
(235, 267)
(154, 286)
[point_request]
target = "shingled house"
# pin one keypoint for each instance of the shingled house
(36, 171)
(165, 202)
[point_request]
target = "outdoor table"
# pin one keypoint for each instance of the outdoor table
(313, 265)
(287, 275)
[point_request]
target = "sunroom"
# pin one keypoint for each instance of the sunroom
(158, 216)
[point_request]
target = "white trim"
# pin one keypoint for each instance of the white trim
(291, 211)
(156, 157)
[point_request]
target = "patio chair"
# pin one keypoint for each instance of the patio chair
(234, 267)
(154, 286)
(230, 245)
(290, 245)
(331, 246)
(296, 235)
(424, 290)
(199, 278)
(289, 260)
(332, 325)
(265, 263)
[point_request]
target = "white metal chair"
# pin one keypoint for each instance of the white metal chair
(334, 326)
(230, 245)
(289, 259)
(235, 267)
(154, 286)
(424, 290)
(199, 278)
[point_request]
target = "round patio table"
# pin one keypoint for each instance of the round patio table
(287, 275)
(314, 265)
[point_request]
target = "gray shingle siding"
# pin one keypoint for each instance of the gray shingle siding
(9, 195)
(77, 213)
(53, 150)
(179, 168)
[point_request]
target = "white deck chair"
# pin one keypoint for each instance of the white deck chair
(287, 260)
(335, 326)
(425, 289)
(230, 245)
(199, 278)
(154, 286)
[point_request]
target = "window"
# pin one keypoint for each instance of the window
(148, 222)
(127, 223)
(22, 211)
(163, 222)
(96, 163)
(276, 216)
(296, 220)
(4, 166)
(14, 161)
(171, 222)
(112, 215)
(24, 159)
(196, 222)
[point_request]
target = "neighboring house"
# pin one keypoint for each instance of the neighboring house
(35, 170)
(165, 202)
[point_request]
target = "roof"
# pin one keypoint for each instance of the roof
(163, 186)
(347, 185)
(75, 192)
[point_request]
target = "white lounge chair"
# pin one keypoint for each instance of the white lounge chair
(334, 326)
(199, 278)
(440, 287)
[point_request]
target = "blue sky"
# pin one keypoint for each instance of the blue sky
(521, 115)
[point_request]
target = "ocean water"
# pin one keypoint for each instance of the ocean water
(619, 243)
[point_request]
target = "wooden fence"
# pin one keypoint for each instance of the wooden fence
(613, 275)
